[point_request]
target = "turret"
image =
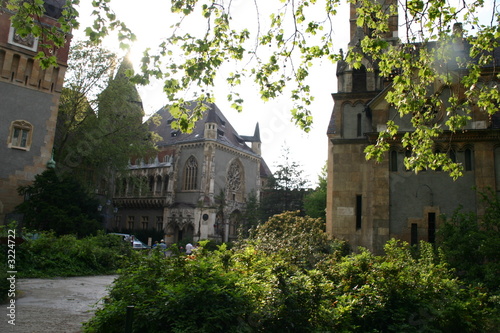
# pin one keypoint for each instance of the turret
(255, 140)
(211, 125)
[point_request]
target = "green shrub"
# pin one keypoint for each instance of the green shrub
(401, 293)
(50, 255)
(471, 244)
(299, 240)
(175, 294)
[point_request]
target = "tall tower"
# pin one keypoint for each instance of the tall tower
(353, 182)
(29, 98)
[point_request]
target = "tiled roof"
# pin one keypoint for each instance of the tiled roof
(227, 135)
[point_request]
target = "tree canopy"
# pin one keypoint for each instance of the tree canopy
(278, 52)
(100, 114)
(59, 203)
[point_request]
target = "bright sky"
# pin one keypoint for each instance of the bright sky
(150, 21)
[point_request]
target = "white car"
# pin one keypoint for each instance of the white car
(136, 243)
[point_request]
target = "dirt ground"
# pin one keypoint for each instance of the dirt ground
(57, 305)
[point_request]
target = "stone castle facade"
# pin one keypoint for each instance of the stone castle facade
(29, 98)
(368, 202)
(197, 184)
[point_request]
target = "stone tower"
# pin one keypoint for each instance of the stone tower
(370, 202)
(29, 97)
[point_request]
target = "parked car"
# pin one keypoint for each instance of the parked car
(135, 242)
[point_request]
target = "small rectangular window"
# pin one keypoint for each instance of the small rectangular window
(431, 227)
(394, 161)
(117, 222)
(359, 128)
(359, 211)
(130, 222)
(159, 223)
(414, 234)
(20, 136)
(468, 160)
(144, 222)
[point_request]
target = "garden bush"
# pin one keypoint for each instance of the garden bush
(175, 294)
(50, 255)
(267, 286)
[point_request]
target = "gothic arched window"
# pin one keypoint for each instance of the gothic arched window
(469, 160)
(190, 174)
(235, 181)
(158, 184)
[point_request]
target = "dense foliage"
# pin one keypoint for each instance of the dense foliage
(261, 287)
(285, 189)
(45, 255)
(100, 115)
(299, 240)
(59, 203)
(472, 244)
(315, 200)
(289, 37)
(53, 256)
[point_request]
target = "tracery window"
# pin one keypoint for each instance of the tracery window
(234, 181)
(234, 177)
(191, 174)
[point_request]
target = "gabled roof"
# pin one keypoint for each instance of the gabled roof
(226, 134)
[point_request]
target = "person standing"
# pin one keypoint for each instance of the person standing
(189, 248)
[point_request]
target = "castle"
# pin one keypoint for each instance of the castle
(29, 99)
(369, 202)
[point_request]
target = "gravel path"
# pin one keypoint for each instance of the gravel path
(56, 305)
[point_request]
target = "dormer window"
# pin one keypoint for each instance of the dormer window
(222, 122)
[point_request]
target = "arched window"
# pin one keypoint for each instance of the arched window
(151, 184)
(165, 185)
(453, 155)
(359, 128)
(158, 184)
(234, 184)
(190, 174)
(469, 162)
(20, 135)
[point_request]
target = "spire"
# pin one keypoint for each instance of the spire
(211, 117)
(126, 65)
(256, 134)
(121, 95)
(256, 140)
